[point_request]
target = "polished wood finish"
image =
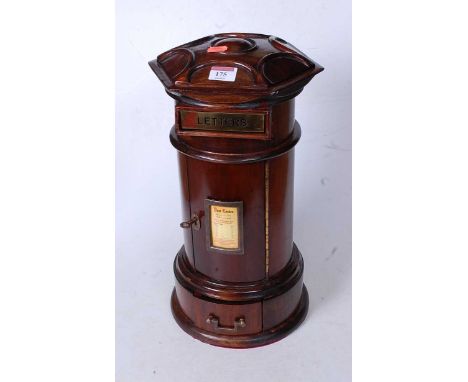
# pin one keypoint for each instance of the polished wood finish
(278, 309)
(271, 308)
(282, 130)
(186, 209)
(236, 147)
(223, 291)
(214, 154)
(281, 211)
(269, 68)
(199, 310)
(229, 182)
(265, 337)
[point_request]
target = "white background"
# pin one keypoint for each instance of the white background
(57, 132)
(150, 345)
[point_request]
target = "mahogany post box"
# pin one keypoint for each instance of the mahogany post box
(239, 273)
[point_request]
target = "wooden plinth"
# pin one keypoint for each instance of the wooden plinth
(269, 309)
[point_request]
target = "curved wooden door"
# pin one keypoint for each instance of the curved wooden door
(229, 183)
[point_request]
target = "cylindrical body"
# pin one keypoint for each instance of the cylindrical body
(239, 273)
(266, 189)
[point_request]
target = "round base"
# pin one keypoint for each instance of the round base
(246, 341)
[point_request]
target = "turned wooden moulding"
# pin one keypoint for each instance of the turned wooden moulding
(239, 273)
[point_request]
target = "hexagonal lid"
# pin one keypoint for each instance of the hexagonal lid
(234, 68)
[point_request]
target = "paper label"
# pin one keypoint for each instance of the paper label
(223, 73)
(224, 227)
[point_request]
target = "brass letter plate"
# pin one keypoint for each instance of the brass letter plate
(224, 231)
(233, 122)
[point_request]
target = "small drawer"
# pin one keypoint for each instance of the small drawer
(228, 319)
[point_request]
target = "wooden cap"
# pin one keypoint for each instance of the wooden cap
(258, 68)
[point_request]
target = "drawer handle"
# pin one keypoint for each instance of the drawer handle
(239, 323)
(194, 221)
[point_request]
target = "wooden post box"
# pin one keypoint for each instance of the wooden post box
(239, 273)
